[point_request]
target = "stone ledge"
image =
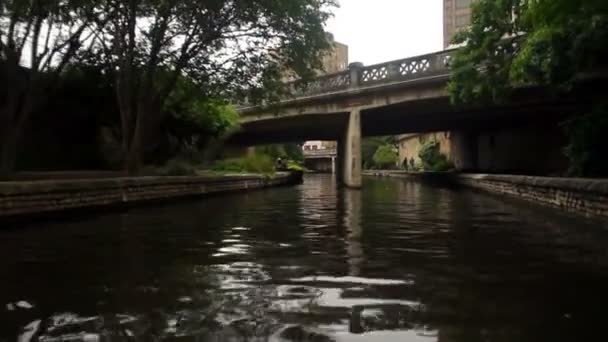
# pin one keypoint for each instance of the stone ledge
(39, 197)
(583, 196)
(585, 185)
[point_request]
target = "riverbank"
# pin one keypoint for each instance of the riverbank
(583, 196)
(24, 199)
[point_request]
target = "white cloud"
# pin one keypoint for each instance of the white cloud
(378, 31)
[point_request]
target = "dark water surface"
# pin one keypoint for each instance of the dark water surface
(398, 261)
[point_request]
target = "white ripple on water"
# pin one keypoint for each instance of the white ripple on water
(332, 298)
(22, 304)
(388, 336)
(236, 249)
(29, 331)
(354, 280)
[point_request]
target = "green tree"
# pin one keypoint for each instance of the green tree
(536, 42)
(194, 119)
(38, 40)
(226, 47)
(285, 151)
(432, 158)
(386, 157)
(369, 147)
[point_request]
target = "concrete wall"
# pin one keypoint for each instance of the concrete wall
(40, 197)
(527, 150)
(533, 150)
(410, 145)
(464, 150)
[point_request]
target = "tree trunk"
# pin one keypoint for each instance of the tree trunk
(135, 156)
(8, 152)
(127, 135)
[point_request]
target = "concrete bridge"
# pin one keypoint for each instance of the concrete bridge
(323, 160)
(397, 97)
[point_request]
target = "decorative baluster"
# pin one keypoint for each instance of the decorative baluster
(435, 63)
(392, 70)
(356, 70)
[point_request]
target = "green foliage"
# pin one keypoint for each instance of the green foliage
(257, 163)
(480, 69)
(294, 152)
(588, 143)
(294, 166)
(369, 147)
(212, 116)
(177, 167)
(386, 157)
(432, 159)
(551, 42)
(284, 151)
(195, 119)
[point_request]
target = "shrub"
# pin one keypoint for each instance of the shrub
(587, 145)
(177, 167)
(386, 157)
(294, 166)
(432, 159)
(257, 163)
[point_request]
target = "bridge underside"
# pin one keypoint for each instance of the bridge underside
(292, 129)
(431, 115)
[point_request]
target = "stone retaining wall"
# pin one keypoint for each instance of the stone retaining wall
(40, 197)
(585, 196)
(588, 197)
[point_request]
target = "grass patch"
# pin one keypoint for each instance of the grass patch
(251, 164)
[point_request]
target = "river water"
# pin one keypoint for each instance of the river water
(397, 261)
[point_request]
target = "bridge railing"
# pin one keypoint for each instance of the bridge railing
(361, 76)
(323, 84)
(406, 69)
(320, 153)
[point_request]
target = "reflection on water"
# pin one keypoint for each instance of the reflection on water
(398, 261)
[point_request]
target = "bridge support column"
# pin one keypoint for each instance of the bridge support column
(333, 165)
(351, 151)
(340, 162)
(464, 150)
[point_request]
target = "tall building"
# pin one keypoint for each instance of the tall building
(456, 16)
(336, 59)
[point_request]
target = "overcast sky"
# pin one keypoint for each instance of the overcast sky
(382, 30)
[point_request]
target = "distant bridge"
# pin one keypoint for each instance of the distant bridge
(323, 160)
(320, 154)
